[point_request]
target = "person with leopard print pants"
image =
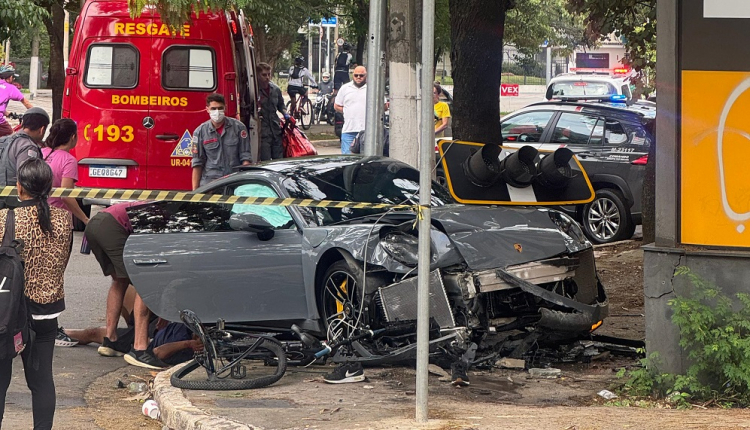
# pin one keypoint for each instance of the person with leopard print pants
(46, 235)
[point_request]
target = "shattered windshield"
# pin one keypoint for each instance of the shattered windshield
(370, 181)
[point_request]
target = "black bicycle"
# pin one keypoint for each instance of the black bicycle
(233, 360)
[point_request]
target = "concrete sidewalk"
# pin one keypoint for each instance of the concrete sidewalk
(507, 399)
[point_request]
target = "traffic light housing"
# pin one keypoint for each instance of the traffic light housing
(479, 173)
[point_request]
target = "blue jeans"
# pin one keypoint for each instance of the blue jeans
(346, 142)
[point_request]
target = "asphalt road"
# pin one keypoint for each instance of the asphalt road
(74, 368)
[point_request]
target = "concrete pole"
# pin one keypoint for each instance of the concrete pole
(549, 63)
(426, 155)
(374, 130)
(309, 48)
(320, 51)
(34, 69)
(328, 48)
(403, 83)
(7, 52)
(66, 39)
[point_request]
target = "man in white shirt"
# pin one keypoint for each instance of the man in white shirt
(352, 102)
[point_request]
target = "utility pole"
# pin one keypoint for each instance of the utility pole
(403, 83)
(328, 47)
(320, 52)
(66, 39)
(34, 69)
(7, 52)
(309, 46)
(426, 157)
(374, 131)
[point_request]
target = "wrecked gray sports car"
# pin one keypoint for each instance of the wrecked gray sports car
(336, 271)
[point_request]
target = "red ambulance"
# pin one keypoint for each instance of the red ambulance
(137, 90)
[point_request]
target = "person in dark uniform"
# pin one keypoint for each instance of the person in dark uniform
(271, 101)
(219, 144)
(341, 70)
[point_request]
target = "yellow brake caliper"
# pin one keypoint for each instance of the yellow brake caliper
(340, 304)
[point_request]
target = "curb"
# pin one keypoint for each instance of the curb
(328, 143)
(178, 413)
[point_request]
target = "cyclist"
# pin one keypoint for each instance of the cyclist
(341, 72)
(8, 92)
(296, 74)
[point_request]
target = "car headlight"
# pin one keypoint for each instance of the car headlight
(568, 226)
(402, 247)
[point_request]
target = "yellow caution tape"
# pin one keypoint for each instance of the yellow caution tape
(184, 196)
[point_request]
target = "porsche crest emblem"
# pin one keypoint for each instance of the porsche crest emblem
(518, 247)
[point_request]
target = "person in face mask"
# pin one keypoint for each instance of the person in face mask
(219, 144)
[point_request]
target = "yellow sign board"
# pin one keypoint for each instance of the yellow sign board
(715, 208)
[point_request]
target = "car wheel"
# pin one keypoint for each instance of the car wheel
(607, 219)
(78, 225)
(340, 301)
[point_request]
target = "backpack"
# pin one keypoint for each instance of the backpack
(295, 72)
(5, 143)
(15, 333)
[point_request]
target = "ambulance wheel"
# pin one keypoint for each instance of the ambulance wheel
(306, 114)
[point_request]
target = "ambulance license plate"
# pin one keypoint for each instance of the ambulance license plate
(99, 171)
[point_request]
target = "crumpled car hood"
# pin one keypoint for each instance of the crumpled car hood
(498, 237)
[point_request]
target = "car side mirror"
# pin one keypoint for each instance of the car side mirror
(252, 223)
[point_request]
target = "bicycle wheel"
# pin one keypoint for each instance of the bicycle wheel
(258, 362)
(306, 114)
(289, 108)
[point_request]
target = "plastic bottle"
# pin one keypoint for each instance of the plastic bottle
(137, 387)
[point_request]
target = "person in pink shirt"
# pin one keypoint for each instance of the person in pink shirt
(63, 136)
(9, 92)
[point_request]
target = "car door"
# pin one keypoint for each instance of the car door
(183, 75)
(218, 272)
(527, 128)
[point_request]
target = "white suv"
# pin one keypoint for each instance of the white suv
(588, 85)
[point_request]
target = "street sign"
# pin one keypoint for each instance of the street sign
(328, 22)
(340, 41)
(509, 90)
(325, 22)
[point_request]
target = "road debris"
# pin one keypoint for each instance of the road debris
(549, 373)
(607, 394)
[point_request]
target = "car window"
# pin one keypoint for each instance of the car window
(577, 129)
(379, 181)
(526, 127)
(188, 68)
(615, 133)
(112, 66)
(582, 88)
(277, 216)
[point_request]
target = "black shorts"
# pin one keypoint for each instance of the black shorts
(340, 77)
(293, 90)
(107, 239)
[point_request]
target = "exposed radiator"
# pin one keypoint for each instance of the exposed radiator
(399, 301)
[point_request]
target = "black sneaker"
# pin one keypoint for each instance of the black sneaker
(145, 359)
(345, 373)
(117, 348)
(459, 377)
(63, 339)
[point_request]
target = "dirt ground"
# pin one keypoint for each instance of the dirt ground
(499, 398)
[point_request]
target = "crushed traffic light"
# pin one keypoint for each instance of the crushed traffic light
(490, 174)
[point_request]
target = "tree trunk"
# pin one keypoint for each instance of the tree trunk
(477, 28)
(648, 203)
(55, 24)
(360, 54)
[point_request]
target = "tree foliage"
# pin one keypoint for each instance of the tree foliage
(633, 20)
(18, 16)
(531, 22)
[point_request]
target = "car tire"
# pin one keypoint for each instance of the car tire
(338, 300)
(606, 219)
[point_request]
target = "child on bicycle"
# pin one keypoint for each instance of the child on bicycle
(296, 74)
